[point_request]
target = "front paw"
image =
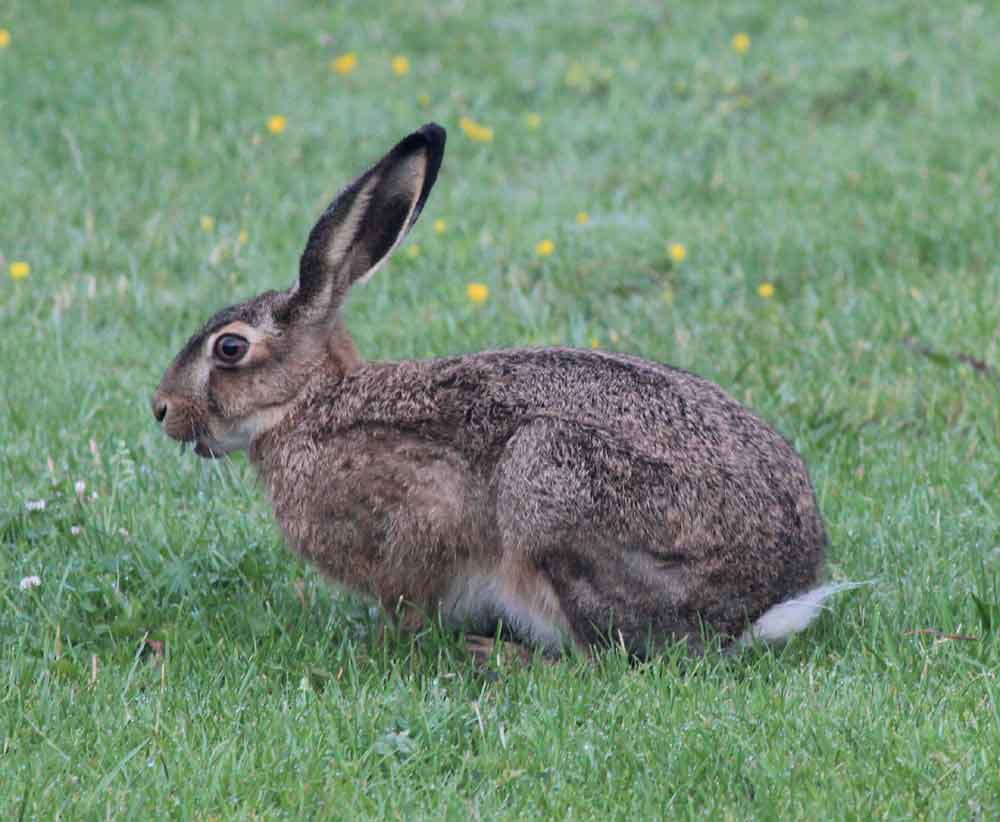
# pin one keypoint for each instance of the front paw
(485, 650)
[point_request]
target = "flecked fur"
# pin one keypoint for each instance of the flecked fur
(576, 496)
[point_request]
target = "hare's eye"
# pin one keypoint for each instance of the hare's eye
(231, 348)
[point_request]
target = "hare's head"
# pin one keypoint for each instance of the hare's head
(236, 377)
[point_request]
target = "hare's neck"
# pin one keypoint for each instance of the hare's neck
(267, 456)
(344, 356)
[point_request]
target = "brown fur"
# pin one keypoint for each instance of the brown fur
(575, 496)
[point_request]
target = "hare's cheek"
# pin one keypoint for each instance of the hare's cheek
(228, 392)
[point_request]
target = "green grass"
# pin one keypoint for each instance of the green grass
(849, 158)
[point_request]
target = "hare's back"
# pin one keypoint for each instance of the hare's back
(477, 402)
(652, 409)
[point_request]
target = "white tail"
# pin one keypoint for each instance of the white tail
(793, 615)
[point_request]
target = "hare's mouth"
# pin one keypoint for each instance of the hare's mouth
(207, 451)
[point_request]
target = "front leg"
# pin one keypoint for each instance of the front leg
(406, 616)
(381, 512)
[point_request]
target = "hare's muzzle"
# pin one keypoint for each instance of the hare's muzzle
(173, 417)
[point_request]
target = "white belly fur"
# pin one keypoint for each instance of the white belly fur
(514, 593)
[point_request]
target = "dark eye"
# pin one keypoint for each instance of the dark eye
(231, 348)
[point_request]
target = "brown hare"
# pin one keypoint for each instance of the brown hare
(567, 497)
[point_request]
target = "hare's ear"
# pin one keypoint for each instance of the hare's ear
(367, 220)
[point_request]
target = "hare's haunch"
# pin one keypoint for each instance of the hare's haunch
(571, 497)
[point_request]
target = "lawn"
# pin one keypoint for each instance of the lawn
(807, 215)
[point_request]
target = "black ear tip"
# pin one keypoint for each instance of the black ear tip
(430, 138)
(435, 136)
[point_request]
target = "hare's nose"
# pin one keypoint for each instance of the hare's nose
(159, 408)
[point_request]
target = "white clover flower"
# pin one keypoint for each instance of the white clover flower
(80, 487)
(29, 582)
(35, 505)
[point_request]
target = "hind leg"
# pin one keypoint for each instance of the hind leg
(568, 509)
(612, 597)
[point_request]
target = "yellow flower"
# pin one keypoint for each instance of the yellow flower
(576, 75)
(478, 292)
(400, 65)
(19, 270)
(207, 223)
(276, 123)
(476, 131)
(766, 290)
(413, 251)
(345, 63)
(424, 100)
(678, 252)
(534, 120)
(582, 218)
(4, 38)
(741, 43)
(440, 226)
(595, 343)
(242, 238)
(545, 248)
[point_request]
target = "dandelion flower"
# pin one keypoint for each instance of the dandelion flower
(28, 583)
(595, 343)
(276, 123)
(766, 290)
(477, 292)
(476, 131)
(4, 38)
(242, 238)
(534, 120)
(424, 100)
(19, 270)
(741, 42)
(400, 65)
(440, 226)
(545, 248)
(582, 218)
(576, 75)
(344, 64)
(207, 223)
(678, 252)
(413, 251)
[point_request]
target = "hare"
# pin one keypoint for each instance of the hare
(566, 497)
